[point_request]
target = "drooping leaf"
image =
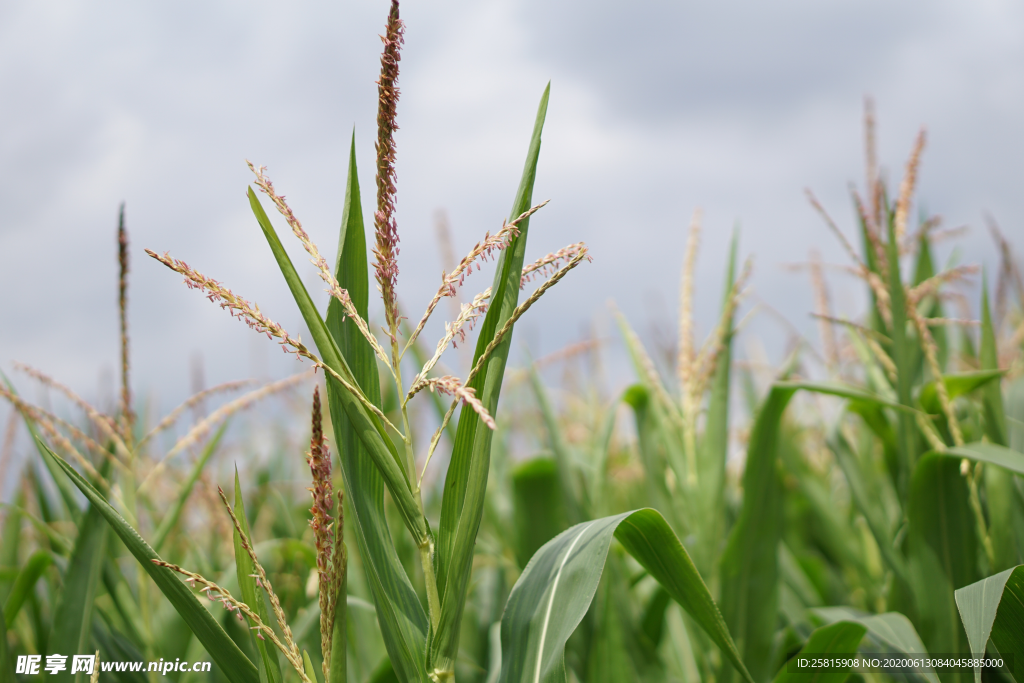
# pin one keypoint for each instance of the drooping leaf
(888, 633)
(958, 385)
(403, 623)
(839, 638)
(235, 666)
(994, 608)
(465, 484)
(555, 590)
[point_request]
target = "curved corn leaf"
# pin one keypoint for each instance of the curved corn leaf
(466, 481)
(888, 633)
(25, 583)
(849, 392)
(555, 590)
(839, 638)
(366, 425)
(233, 663)
(956, 386)
(994, 608)
(403, 623)
(749, 566)
(252, 595)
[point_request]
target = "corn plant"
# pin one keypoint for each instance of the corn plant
(923, 459)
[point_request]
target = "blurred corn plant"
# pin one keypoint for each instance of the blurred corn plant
(848, 529)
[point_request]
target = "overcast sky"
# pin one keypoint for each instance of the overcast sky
(656, 108)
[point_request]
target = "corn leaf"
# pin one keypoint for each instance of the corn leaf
(252, 595)
(466, 482)
(749, 566)
(403, 622)
(25, 583)
(988, 357)
(72, 618)
(555, 590)
(839, 638)
(234, 665)
(888, 633)
(958, 385)
(713, 449)
(943, 549)
(901, 350)
(994, 608)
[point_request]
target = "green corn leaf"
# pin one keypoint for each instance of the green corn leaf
(72, 618)
(466, 482)
(958, 385)
(555, 590)
(889, 633)
(6, 665)
(713, 449)
(849, 392)
(610, 658)
(943, 549)
(749, 566)
(403, 623)
(987, 452)
(252, 595)
(901, 351)
(992, 396)
(537, 506)
(839, 638)
(170, 521)
(366, 425)
(235, 666)
(309, 668)
(994, 608)
(1006, 507)
(25, 583)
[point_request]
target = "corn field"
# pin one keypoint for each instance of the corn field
(716, 521)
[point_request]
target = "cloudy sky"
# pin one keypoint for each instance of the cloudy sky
(657, 107)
